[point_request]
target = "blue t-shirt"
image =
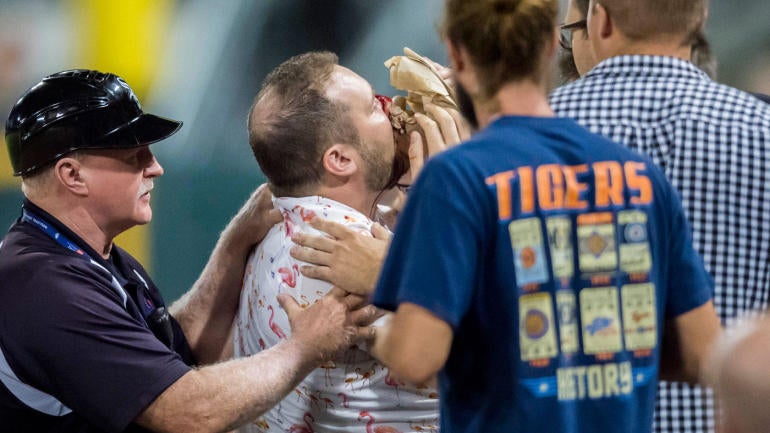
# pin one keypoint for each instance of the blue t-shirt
(556, 256)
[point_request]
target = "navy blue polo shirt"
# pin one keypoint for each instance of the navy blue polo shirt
(76, 355)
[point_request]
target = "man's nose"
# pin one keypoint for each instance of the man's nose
(154, 169)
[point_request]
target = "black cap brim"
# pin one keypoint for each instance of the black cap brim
(143, 130)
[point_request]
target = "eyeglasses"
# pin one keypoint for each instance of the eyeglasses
(566, 30)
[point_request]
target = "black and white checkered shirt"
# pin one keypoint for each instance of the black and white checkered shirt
(713, 142)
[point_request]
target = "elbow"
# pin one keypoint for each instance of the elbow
(417, 373)
(184, 408)
(418, 380)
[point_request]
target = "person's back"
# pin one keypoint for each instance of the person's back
(573, 279)
(326, 146)
(562, 257)
(341, 395)
(713, 143)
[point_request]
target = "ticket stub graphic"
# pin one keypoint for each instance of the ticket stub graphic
(528, 252)
(560, 241)
(600, 320)
(639, 316)
(566, 306)
(634, 245)
(596, 242)
(537, 333)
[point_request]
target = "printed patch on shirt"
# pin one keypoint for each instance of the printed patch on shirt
(596, 242)
(559, 239)
(566, 306)
(537, 335)
(639, 316)
(634, 245)
(528, 256)
(600, 320)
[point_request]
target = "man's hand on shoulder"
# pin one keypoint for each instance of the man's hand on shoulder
(345, 258)
(254, 219)
(330, 325)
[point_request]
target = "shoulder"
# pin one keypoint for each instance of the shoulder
(568, 92)
(721, 104)
(36, 274)
(133, 265)
(762, 97)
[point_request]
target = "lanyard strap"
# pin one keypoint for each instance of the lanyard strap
(30, 217)
(152, 311)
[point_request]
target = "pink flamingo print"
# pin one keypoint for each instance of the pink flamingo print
(274, 326)
(366, 376)
(289, 276)
(300, 395)
(349, 381)
(395, 384)
(325, 400)
(261, 343)
(289, 225)
(307, 428)
(262, 424)
(306, 216)
(345, 402)
(312, 397)
(328, 366)
(370, 424)
(423, 427)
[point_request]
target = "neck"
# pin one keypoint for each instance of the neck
(669, 47)
(519, 98)
(81, 222)
(359, 199)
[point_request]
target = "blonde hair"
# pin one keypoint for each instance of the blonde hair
(504, 38)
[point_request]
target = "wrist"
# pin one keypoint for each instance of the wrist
(305, 354)
(233, 242)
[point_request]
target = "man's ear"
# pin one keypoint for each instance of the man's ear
(462, 70)
(553, 48)
(456, 60)
(603, 21)
(68, 171)
(601, 31)
(341, 160)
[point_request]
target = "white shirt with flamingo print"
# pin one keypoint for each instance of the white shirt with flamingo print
(353, 393)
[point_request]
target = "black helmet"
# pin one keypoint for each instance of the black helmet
(78, 109)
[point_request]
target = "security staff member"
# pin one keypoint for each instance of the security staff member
(86, 341)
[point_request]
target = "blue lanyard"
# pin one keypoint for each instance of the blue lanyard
(156, 317)
(51, 231)
(30, 217)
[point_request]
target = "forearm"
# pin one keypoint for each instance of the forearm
(413, 344)
(225, 396)
(687, 341)
(206, 312)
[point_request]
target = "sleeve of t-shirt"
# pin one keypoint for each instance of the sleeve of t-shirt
(76, 341)
(689, 284)
(433, 257)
